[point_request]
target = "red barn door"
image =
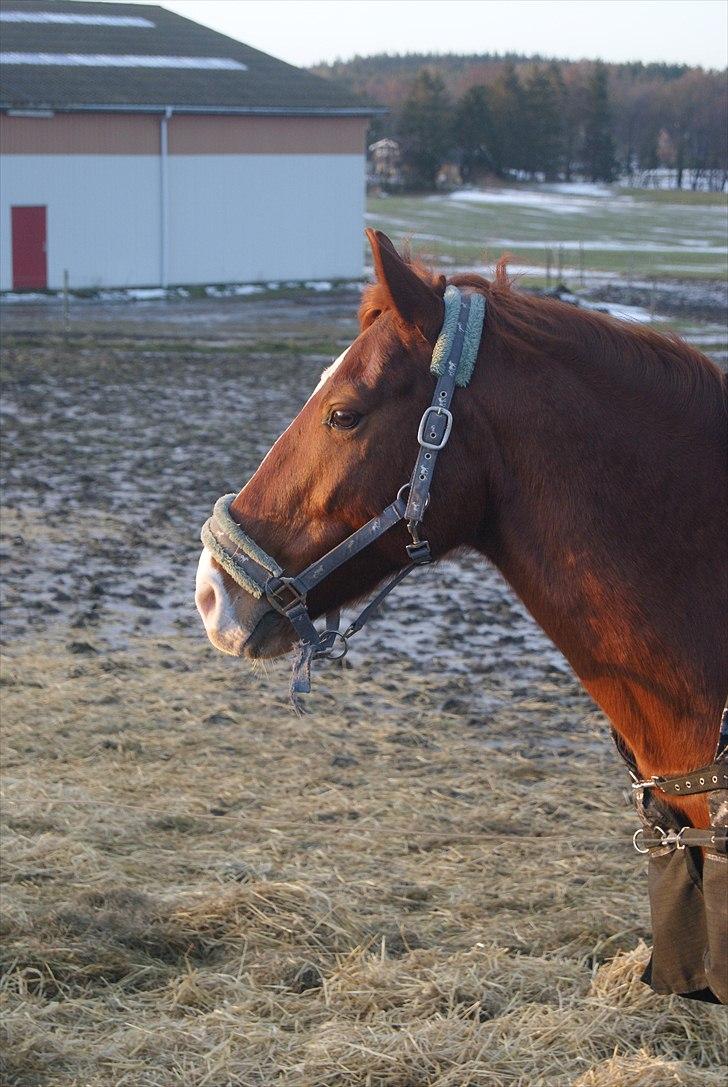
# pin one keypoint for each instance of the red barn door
(30, 265)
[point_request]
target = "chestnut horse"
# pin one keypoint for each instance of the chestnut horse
(588, 462)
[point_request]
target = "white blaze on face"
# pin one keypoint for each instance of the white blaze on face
(211, 596)
(330, 370)
(322, 380)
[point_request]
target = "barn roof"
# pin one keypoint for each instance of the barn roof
(64, 54)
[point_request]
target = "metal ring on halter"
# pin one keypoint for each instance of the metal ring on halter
(406, 487)
(329, 653)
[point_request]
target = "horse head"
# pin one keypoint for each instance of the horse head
(343, 459)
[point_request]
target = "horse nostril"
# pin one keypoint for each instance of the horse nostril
(206, 600)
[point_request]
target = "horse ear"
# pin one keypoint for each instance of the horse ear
(414, 300)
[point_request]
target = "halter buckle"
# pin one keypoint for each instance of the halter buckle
(434, 409)
(275, 589)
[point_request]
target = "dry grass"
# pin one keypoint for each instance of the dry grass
(203, 889)
(427, 882)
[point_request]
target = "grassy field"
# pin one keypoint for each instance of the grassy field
(426, 882)
(205, 890)
(590, 232)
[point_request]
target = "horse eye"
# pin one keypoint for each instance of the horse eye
(344, 420)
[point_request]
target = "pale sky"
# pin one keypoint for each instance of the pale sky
(306, 31)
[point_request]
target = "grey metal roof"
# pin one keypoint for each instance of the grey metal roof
(195, 68)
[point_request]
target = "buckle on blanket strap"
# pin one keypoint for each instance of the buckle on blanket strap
(711, 838)
(705, 779)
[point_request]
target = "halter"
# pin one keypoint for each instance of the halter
(258, 573)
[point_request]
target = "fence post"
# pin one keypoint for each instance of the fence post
(66, 311)
(548, 269)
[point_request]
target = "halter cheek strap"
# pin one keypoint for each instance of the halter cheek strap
(259, 574)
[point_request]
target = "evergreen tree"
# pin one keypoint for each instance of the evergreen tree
(424, 129)
(473, 131)
(599, 160)
(543, 135)
(509, 122)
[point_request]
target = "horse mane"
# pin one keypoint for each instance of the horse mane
(530, 325)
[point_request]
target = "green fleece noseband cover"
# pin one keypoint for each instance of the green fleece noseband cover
(222, 525)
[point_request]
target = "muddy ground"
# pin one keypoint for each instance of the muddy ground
(428, 880)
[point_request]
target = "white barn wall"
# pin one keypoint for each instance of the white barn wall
(249, 198)
(265, 217)
(232, 218)
(103, 216)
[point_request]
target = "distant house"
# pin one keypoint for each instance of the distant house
(449, 176)
(141, 149)
(385, 158)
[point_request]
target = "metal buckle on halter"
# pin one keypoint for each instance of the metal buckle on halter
(423, 423)
(274, 589)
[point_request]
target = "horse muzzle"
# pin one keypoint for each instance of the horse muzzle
(235, 622)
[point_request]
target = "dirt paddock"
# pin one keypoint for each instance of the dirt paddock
(428, 881)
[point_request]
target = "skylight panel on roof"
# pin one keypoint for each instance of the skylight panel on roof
(75, 20)
(121, 60)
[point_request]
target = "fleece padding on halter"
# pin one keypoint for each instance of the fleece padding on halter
(471, 340)
(221, 527)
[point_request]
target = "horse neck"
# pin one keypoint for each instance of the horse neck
(604, 522)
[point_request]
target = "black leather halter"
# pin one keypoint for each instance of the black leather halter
(250, 566)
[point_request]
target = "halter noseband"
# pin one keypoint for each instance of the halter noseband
(258, 573)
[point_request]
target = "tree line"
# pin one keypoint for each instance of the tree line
(533, 118)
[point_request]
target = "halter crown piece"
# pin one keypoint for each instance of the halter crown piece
(258, 573)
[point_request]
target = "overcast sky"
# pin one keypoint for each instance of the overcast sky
(306, 31)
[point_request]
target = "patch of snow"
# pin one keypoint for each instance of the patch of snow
(12, 296)
(145, 294)
(540, 271)
(247, 288)
(580, 188)
(517, 198)
(664, 177)
(594, 245)
(112, 296)
(514, 196)
(545, 199)
(635, 314)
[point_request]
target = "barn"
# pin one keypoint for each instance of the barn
(138, 148)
